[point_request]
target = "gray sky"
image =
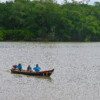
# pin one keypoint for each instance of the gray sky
(61, 1)
(91, 1)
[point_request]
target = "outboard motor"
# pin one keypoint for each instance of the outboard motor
(14, 66)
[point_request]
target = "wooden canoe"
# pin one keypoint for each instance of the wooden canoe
(41, 73)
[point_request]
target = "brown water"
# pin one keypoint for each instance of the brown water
(76, 75)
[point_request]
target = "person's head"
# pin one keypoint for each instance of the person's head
(19, 63)
(29, 66)
(36, 65)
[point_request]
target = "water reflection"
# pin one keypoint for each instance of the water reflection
(30, 77)
(44, 78)
(17, 75)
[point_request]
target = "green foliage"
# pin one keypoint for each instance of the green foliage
(45, 20)
(17, 35)
(1, 35)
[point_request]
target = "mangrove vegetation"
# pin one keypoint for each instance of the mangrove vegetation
(46, 20)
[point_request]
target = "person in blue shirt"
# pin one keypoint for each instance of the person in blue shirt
(29, 68)
(19, 66)
(37, 68)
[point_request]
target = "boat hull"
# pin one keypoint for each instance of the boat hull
(41, 73)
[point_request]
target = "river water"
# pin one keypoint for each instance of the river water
(76, 75)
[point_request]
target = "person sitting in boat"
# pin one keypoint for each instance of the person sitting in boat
(37, 68)
(29, 68)
(19, 66)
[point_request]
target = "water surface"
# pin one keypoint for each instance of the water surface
(76, 75)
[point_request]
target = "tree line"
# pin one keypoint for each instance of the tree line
(46, 20)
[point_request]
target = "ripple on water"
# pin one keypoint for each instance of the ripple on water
(76, 75)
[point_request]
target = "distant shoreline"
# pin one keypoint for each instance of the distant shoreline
(55, 41)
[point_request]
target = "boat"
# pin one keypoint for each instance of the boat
(41, 73)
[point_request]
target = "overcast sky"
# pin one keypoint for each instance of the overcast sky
(91, 1)
(61, 1)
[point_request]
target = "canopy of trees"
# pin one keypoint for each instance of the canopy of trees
(45, 20)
